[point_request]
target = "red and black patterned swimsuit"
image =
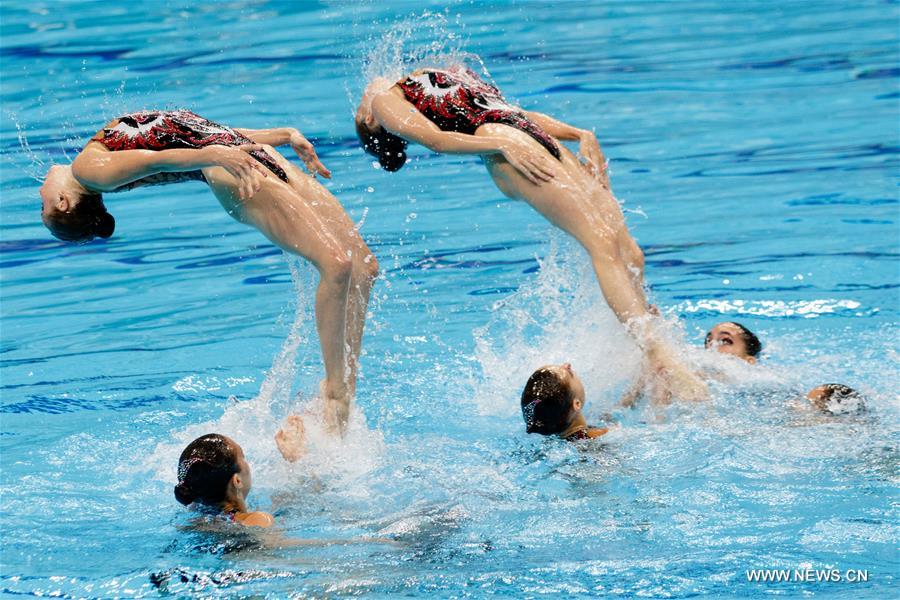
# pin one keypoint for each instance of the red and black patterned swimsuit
(172, 129)
(459, 100)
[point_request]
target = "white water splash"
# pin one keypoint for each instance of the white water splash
(253, 423)
(774, 308)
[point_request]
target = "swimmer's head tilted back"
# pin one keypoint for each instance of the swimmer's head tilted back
(389, 149)
(836, 399)
(552, 399)
(71, 212)
(212, 470)
(735, 339)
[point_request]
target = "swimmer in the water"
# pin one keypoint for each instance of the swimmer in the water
(454, 111)
(836, 399)
(726, 338)
(551, 404)
(213, 472)
(734, 339)
(255, 185)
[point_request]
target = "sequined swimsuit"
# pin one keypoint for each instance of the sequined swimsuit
(174, 129)
(459, 100)
(582, 434)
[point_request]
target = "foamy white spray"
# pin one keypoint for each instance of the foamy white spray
(253, 423)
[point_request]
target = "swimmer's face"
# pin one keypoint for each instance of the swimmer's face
(242, 479)
(71, 212)
(818, 397)
(567, 377)
(56, 195)
(364, 115)
(727, 338)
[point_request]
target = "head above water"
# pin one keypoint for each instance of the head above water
(552, 399)
(70, 211)
(735, 339)
(836, 399)
(212, 470)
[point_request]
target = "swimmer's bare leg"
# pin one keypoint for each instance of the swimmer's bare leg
(595, 220)
(364, 265)
(314, 228)
(368, 272)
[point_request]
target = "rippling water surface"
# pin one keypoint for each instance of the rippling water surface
(754, 146)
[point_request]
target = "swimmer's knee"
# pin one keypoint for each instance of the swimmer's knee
(602, 245)
(370, 264)
(337, 268)
(637, 256)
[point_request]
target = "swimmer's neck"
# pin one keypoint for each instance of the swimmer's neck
(577, 424)
(235, 506)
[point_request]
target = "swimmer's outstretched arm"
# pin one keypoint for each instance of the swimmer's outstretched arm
(282, 136)
(100, 170)
(401, 117)
(277, 136)
(589, 147)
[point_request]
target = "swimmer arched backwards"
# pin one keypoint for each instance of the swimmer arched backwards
(453, 111)
(255, 185)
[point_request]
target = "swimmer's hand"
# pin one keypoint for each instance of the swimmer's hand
(592, 155)
(536, 167)
(307, 153)
(291, 439)
(238, 162)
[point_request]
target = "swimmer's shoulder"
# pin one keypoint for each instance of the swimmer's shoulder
(96, 141)
(595, 432)
(255, 519)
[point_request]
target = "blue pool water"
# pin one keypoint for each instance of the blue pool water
(754, 146)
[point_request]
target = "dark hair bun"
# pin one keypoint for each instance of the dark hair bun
(106, 224)
(184, 494)
(392, 161)
(389, 149)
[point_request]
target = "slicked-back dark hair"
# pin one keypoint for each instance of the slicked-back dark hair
(754, 346)
(546, 403)
(204, 470)
(389, 149)
(86, 220)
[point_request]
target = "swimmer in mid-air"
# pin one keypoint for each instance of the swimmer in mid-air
(734, 339)
(551, 404)
(213, 472)
(255, 185)
(454, 111)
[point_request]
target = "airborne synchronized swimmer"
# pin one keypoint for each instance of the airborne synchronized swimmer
(449, 110)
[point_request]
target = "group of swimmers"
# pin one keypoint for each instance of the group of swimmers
(449, 110)
(554, 396)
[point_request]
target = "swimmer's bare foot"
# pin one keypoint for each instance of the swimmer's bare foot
(675, 379)
(335, 409)
(291, 438)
